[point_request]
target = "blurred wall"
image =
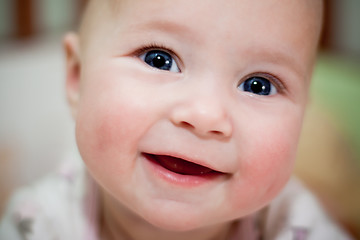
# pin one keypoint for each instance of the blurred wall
(36, 130)
(7, 26)
(54, 15)
(47, 16)
(346, 26)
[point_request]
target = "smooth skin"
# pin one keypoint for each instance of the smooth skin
(197, 110)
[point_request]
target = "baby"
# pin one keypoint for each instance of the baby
(187, 116)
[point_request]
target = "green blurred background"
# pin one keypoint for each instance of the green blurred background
(329, 152)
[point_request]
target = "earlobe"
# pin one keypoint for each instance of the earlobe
(73, 68)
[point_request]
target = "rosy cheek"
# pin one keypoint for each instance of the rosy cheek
(106, 133)
(264, 172)
(96, 128)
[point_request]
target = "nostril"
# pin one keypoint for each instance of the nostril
(204, 123)
(216, 132)
(186, 125)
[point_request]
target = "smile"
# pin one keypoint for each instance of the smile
(179, 171)
(180, 166)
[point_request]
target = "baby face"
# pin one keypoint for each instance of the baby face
(188, 112)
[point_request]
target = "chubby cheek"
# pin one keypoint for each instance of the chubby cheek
(266, 162)
(108, 126)
(98, 135)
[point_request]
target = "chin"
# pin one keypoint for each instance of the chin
(173, 222)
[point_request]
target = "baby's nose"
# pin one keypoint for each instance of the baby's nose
(203, 115)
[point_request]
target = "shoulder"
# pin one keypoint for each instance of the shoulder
(48, 209)
(296, 214)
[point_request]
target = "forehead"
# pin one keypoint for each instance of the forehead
(218, 10)
(257, 26)
(225, 17)
(212, 9)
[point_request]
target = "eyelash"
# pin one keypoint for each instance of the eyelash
(155, 46)
(280, 86)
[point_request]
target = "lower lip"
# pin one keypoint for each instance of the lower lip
(179, 179)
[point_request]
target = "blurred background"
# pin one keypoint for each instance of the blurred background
(36, 130)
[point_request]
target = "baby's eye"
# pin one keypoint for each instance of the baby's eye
(160, 59)
(258, 85)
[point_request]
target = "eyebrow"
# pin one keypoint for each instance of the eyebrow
(280, 56)
(167, 26)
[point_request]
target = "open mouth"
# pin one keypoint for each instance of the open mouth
(181, 166)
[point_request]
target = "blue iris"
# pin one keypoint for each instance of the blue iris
(258, 85)
(159, 59)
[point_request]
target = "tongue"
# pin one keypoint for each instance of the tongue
(181, 166)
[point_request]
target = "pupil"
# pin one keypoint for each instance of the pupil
(159, 61)
(257, 87)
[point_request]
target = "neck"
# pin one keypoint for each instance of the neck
(118, 222)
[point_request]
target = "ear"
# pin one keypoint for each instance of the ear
(73, 69)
